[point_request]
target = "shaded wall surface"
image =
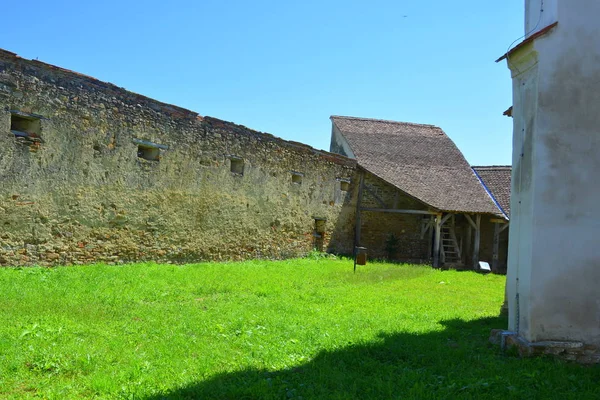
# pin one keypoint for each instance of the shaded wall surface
(487, 244)
(78, 188)
(390, 235)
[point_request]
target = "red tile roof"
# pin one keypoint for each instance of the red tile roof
(420, 160)
(497, 179)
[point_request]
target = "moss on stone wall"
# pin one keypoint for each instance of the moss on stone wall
(82, 194)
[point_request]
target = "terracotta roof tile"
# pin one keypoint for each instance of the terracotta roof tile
(420, 160)
(497, 180)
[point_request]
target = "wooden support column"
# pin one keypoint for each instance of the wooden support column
(476, 242)
(437, 241)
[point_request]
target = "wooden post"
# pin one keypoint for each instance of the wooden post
(437, 241)
(477, 240)
(495, 247)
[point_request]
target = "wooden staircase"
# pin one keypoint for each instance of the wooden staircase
(451, 255)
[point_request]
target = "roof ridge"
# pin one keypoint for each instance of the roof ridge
(382, 120)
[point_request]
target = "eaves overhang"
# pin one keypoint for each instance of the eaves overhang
(530, 39)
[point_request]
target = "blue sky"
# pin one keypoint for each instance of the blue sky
(284, 67)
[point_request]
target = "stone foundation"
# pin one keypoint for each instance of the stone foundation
(571, 351)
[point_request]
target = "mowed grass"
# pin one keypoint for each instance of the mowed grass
(296, 329)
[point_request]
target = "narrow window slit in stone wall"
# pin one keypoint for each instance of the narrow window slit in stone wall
(237, 165)
(27, 128)
(297, 177)
(344, 185)
(148, 150)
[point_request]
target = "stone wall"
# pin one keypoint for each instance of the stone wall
(114, 176)
(377, 229)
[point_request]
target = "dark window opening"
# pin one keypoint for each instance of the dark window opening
(26, 128)
(297, 177)
(344, 186)
(148, 150)
(237, 165)
(148, 153)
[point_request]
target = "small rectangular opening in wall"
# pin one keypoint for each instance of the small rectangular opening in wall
(26, 126)
(148, 153)
(319, 233)
(344, 185)
(297, 177)
(320, 224)
(148, 150)
(237, 165)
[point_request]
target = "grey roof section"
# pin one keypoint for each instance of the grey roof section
(497, 179)
(420, 160)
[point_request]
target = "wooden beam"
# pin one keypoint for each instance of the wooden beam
(425, 226)
(498, 221)
(446, 218)
(389, 210)
(477, 240)
(496, 244)
(468, 217)
(437, 241)
(503, 227)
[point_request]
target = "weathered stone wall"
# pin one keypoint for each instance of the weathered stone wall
(377, 227)
(84, 195)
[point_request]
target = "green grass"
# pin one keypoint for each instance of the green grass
(258, 330)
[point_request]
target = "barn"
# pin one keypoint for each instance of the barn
(418, 197)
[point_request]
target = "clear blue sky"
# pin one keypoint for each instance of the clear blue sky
(284, 67)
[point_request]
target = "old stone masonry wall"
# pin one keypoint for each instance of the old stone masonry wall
(90, 172)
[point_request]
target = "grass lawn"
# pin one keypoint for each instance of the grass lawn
(296, 329)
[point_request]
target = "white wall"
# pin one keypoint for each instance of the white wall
(539, 14)
(525, 93)
(554, 259)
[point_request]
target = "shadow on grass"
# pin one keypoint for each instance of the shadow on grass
(455, 362)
